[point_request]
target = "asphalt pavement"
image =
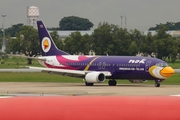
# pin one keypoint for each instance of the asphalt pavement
(79, 89)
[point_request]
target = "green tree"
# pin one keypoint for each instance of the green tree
(160, 42)
(75, 23)
(75, 43)
(133, 48)
(165, 46)
(11, 31)
(122, 41)
(137, 40)
(87, 47)
(102, 38)
(0, 40)
(161, 32)
(69, 47)
(172, 49)
(148, 45)
(57, 40)
(26, 42)
(13, 45)
(169, 25)
(112, 40)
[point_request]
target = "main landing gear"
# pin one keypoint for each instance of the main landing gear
(89, 84)
(112, 82)
(157, 83)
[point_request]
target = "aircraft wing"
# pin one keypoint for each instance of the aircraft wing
(71, 73)
(23, 56)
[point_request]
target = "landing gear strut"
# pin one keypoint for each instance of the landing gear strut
(157, 83)
(112, 82)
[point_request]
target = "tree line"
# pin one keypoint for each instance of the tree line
(169, 25)
(107, 39)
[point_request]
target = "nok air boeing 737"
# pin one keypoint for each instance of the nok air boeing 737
(96, 69)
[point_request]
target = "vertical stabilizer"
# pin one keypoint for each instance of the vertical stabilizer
(48, 47)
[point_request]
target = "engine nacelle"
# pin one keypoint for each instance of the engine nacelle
(95, 77)
(138, 81)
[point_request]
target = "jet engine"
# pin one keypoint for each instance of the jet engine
(137, 81)
(95, 77)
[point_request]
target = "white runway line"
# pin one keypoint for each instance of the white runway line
(176, 95)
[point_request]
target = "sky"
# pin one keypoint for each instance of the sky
(138, 14)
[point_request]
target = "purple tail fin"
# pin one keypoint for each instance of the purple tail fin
(47, 44)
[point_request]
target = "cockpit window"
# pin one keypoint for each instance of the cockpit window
(162, 64)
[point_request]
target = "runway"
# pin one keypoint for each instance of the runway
(79, 89)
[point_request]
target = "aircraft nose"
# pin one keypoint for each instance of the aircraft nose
(167, 71)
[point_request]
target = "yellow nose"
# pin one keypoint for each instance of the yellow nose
(167, 71)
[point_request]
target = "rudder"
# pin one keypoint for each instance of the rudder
(48, 47)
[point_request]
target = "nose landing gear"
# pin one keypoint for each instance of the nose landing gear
(157, 83)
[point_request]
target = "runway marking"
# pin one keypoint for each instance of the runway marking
(5, 97)
(176, 95)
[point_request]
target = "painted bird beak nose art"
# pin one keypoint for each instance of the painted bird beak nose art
(161, 72)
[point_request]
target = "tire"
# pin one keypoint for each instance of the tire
(112, 83)
(89, 84)
(157, 84)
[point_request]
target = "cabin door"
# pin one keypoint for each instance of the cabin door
(147, 66)
(102, 65)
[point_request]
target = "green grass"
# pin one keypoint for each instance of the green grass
(175, 65)
(45, 77)
(16, 62)
(173, 80)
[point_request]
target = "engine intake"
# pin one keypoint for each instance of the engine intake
(95, 77)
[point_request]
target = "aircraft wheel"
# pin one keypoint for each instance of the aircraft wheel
(89, 84)
(157, 84)
(112, 82)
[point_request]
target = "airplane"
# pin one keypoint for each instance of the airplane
(90, 108)
(95, 69)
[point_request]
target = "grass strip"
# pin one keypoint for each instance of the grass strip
(45, 77)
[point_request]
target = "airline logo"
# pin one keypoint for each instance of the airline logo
(41, 26)
(46, 44)
(137, 61)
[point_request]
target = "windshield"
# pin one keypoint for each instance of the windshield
(162, 64)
